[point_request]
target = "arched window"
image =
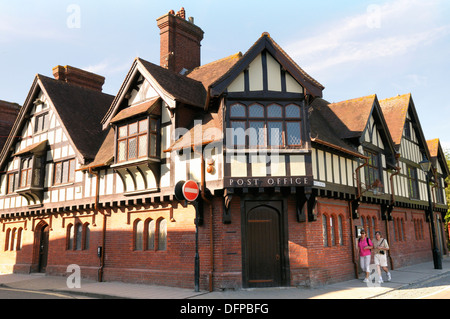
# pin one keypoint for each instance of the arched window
(162, 234)
(332, 231)
(13, 239)
(341, 233)
(7, 239)
(237, 110)
(150, 224)
(69, 237)
(78, 236)
(374, 226)
(19, 239)
(324, 231)
(86, 236)
(138, 234)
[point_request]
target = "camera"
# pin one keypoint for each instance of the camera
(381, 252)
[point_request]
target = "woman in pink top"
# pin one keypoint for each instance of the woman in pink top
(365, 245)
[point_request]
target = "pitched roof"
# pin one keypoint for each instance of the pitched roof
(209, 73)
(265, 42)
(209, 125)
(323, 132)
(80, 110)
(145, 107)
(433, 147)
(105, 154)
(394, 111)
(348, 118)
(438, 155)
(180, 87)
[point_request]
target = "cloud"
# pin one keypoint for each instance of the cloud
(388, 30)
(108, 67)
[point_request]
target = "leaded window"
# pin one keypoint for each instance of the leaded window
(413, 183)
(64, 172)
(26, 172)
(137, 140)
(372, 169)
(271, 126)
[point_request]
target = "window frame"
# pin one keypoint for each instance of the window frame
(44, 124)
(70, 172)
(11, 178)
(371, 171)
(28, 171)
(245, 118)
(413, 182)
(151, 132)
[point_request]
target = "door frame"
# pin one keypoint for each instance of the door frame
(37, 262)
(268, 201)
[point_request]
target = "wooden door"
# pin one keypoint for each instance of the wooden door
(263, 247)
(43, 249)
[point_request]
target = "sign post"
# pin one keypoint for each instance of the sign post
(189, 191)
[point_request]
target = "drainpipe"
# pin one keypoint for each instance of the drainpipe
(358, 182)
(352, 235)
(211, 232)
(96, 188)
(388, 233)
(350, 209)
(102, 257)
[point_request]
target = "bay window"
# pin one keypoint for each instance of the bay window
(137, 139)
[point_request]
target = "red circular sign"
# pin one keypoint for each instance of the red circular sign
(190, 191)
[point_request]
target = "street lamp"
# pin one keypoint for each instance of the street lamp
(426, 165)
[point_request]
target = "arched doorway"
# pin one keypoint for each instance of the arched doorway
(41, 246)
(263, 254)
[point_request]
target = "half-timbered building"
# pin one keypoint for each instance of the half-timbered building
(287, 180)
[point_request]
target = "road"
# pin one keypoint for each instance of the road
(14, 293)
(435, 288)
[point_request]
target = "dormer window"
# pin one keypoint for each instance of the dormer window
(137, 140)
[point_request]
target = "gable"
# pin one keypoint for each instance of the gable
(264, 72)
(265, 64)
(372, 134)
(146, 81)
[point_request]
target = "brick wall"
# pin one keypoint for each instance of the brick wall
(311, 262)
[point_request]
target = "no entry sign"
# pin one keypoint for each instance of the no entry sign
(190, 191)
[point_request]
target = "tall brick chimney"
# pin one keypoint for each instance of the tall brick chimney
(180, 41)
(78, 77)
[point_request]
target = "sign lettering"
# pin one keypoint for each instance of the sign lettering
(268, 181)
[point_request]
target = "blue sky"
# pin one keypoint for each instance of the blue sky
(352, 47)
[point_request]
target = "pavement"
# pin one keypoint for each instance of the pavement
(351, 289)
